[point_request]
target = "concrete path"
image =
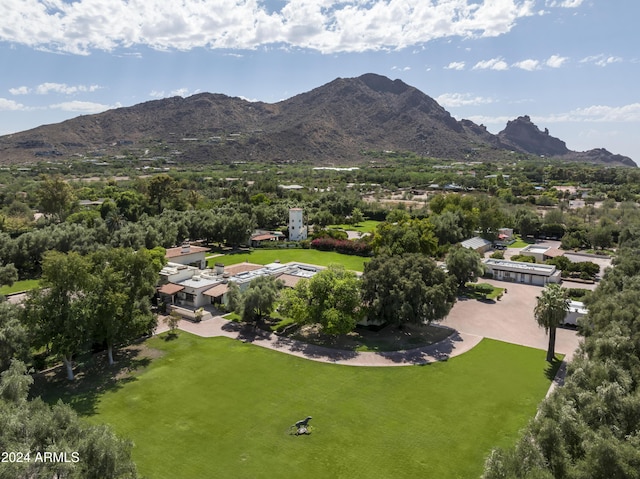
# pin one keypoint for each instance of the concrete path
(456, 344)
(510, 319)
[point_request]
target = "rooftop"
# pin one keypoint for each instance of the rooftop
(535, 268)
(184, 250)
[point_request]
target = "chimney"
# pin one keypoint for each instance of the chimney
(219, 268)
(186, 248)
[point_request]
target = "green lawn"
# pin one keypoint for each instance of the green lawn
(25, 285)
(218, 407)
(520, 243)
(311, 256)
(366, 226)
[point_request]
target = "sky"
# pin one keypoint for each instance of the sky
(573, 66)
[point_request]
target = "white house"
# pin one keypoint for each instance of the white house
(526, 273)
(297, 229)
(188, 254)
(576, 311)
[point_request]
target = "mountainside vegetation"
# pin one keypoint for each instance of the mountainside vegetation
(349, 120)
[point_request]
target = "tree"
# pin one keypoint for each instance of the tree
(331, 298)
(465, 264)
(408, 288)
(173, 320)
(14, 338)
(161, 187)
(122, 286)
(34, 426)
(527, 222)
(59, 313)
(356, 216)
(8, 274)
(550, 311)
(258, 300)
(407, 236)
(55, 197)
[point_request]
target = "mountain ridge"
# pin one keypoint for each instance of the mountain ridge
(333, 123)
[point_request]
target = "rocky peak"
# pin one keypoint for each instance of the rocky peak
(523, 135)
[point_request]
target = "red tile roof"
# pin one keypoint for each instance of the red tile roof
(235, 269)
(170, 288)
(217, 290)
(290, 280)
(176, 252)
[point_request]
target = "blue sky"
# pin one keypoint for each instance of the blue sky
(571, 65)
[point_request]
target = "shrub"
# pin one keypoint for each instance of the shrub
(497, 255)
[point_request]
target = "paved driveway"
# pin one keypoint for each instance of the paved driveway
(510, 319)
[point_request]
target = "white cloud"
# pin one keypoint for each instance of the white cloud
(529, 65)
(46, 88)
(556, 61)
(10, 105)
(565, 3)
(601, 60)
(453, 100)
(183, 92)
(401, 69)
(455, 66)
(599, 114)
(21, 90)
(82, 106)
(492, 64)
(83, 26)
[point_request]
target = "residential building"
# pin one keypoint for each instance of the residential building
(518, 272)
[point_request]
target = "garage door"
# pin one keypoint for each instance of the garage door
(537, 280)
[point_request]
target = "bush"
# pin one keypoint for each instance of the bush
(497, 255)
(523, 258)
(352, 247)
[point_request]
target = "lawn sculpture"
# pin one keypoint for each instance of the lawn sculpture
(302, 426)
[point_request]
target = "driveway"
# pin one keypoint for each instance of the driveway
(510, 319)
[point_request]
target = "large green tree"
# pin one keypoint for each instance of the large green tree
(551, 308)
(123, 285)
(161, 188)
(92, 451)
(55, 197)
(406, 236)
(59, 313)
(331, 299)
(409, 288)
(259, 299)
(14, 338)
(465, 264)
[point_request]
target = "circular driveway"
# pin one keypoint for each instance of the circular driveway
(510, 319)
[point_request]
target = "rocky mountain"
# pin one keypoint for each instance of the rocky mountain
(332, 124)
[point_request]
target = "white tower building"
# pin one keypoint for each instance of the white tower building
(297, 229)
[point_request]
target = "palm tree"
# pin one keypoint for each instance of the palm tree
(550, 312)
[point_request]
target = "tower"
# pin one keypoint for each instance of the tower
(297, 229)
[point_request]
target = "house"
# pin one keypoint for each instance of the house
(576, 311)
(541, 253)
(187, 254)
(265, 237)
(190, 287)
(478, 244)
(518, 272)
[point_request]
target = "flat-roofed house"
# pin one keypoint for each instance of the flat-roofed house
(478, 244)
(188, 254)
(518, 272)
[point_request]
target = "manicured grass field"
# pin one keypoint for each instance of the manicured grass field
(25, 285)
(312, 256)
(221, 408)
(366, 226)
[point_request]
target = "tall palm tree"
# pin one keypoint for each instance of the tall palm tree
(550, 311)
